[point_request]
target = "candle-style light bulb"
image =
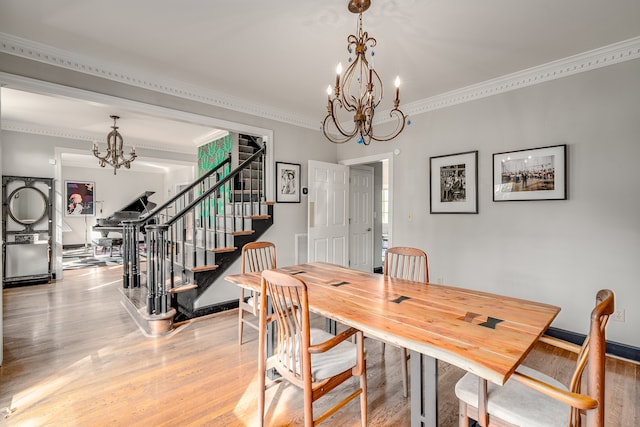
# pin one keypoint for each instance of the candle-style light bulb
(397, 83)
(338, 73)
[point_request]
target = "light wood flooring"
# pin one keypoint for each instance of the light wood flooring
(73, 357)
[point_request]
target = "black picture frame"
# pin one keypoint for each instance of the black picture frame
(453, 181)
(530, 174)
(287, 182)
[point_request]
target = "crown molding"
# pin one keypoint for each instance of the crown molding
(211, 136)
(31, 128)
(54, 56)
(602, 57)
(608, 55)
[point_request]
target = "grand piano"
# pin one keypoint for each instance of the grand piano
(140, 207)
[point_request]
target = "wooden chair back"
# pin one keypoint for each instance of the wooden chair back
(293, 351)
(290, 306)
(258, 256)
(593, 355)
(407, 263)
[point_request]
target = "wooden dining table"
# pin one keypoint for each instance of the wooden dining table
(483, 333)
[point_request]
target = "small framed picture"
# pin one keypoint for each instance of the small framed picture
(453, 181)
(287, 182)
(80, 198)
(532, 174)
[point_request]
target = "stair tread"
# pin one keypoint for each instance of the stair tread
(222, 250)
(243, 233)
(236, 231)
(204, 268)
(183, 288)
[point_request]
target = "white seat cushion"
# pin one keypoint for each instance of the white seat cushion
(340, 358)
(324, 365)
(251, 301)
(517, 403)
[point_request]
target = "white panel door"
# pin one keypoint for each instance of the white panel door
(328, 226)
(361, 214)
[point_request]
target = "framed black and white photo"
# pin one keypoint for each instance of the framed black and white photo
(453, 181)
(80, 198)
(287, 182)
(532, 174)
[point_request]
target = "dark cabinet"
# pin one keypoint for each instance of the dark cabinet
(27, 230)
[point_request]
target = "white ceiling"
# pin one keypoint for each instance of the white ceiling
(281, 55)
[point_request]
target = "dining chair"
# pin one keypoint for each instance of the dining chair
(411, 264)
(531, 398)
(309, 358)
(256, 257)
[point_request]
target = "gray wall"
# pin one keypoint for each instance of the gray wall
(558, 252)
(290, 144)
(112, 192)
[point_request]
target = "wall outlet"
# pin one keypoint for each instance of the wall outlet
(619, 315)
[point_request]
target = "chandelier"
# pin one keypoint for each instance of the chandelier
(115, 154)
(359, 91)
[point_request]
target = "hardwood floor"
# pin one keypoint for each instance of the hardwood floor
(73, 357)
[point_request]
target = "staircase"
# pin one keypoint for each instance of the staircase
(192, 239)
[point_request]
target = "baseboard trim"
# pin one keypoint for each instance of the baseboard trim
(613, 348)
(216, 308)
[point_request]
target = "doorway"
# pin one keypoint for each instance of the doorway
(382, 165)
(329, 206)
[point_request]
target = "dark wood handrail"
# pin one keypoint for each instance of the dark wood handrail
(217, 186)
(184, 191)
(161, 239)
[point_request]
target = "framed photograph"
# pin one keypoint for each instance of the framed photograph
(533, 174)
(287, 182)
(80, 198)
(453, 181)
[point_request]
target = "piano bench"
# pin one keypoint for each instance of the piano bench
(107, 243)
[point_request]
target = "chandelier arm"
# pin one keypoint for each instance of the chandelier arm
(332, 119)
(101, 158)
(400, 124)
(376, 85)
(349, 101)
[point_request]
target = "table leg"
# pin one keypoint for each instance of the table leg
(424, 390)
(272, 374)
(483, 416)
(332, 326)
